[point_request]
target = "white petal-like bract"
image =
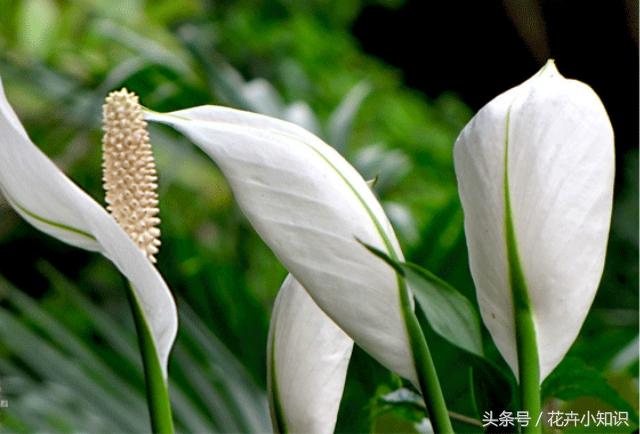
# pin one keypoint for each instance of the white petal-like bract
(311, 207)
(307, 360)
(51, 202)
(551, 140)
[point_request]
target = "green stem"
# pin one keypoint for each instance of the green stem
(156, 386)
(529, 371)
(426, 370)
(526, 342)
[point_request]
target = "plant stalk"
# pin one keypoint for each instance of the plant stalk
(528, 370)
(156, 386)
(425, 368)
(526, 342)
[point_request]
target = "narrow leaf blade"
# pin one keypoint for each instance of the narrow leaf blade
(449, 313)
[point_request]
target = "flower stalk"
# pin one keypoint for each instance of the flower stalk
(156, 387)
(130, 182)
(427, 375)
(526, 342)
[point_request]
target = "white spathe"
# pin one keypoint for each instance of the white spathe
(46, 198)
(307, 360)
(560, 174)
(310, 206)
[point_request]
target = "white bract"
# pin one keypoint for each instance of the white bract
(548, 145)
(51, 202)
(311, 207)
(307, 361)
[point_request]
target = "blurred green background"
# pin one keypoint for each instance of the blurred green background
(68, 359)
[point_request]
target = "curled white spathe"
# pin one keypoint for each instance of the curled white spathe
(51, 202)
(307, 360)
(560, 168)
(310, 207)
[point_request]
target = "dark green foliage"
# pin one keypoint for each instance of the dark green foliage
(573, 379)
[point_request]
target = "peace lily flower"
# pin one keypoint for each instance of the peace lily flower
(311, 207)
(51, 202)
(535, 169)
(307, 361)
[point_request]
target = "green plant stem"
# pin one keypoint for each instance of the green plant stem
(528, 369)
(156, 386)
(426, 370)
(526, 342)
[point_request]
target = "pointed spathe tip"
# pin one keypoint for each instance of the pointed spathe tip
(549, 70)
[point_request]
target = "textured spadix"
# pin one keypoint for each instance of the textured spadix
(129, 171)
(307, 360)
(548, 145)
(310, 206)
(51, 202)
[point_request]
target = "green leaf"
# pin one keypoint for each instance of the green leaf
(450, 314)
(491, 390)
(403, 396)
(262, 97)
(453, 317)
(392, 165)
(48, 362)
(573, 379)
(341, 120)
(75, 385)
(399, 408)
(410, 404)
(36, 23)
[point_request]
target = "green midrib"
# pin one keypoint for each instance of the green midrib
(526, 341)
(423, 363)
(377, 224)
(429, 382)
(279, 420)
(157, 393)
(51, 222)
